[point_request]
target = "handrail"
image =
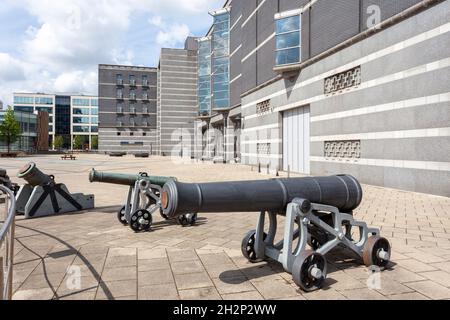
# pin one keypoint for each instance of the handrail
(7, 238)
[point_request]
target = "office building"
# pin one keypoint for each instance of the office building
(177, 99)
(326, 87)
(127, 109)
(28, 127)
(69, 116)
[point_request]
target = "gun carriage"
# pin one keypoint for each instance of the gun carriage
(318, 212)
(43, 196)
(143, 199)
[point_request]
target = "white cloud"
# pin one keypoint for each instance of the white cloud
(71, 37)
(72, 81)
(10, 69)
(170, 35)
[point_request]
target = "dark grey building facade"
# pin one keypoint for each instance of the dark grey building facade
(127, 109)
(177, 99)
(347, 86)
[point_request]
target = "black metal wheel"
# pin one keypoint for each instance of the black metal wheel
(377, 252)
(121, 216)
(248, 246)
(309, 270)
(187, 219)
(141, 220)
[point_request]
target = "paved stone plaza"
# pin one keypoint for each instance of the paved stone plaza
(205, 261)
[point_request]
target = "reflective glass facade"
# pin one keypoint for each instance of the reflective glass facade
(29, 109)
(81, 111)
(44, 100)
(221, 61)
(67, 114)
(81, 102)
(23, 100)
(288, 39)
(81, 129)
(204, 77)
(28, 127)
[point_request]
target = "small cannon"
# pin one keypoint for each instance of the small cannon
(42, 196)
(143, 199)
(319, 213)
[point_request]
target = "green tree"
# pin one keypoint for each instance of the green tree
(58, 143)
(94, 142)
(10, 129)
(78, 142)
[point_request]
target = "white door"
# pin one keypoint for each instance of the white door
(296, 140)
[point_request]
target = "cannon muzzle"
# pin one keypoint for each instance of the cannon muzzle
(33, 176)
(126, 179)
(343, 192)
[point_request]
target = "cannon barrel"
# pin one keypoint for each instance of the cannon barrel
(126, 179)
(35, 177)
(343, 192)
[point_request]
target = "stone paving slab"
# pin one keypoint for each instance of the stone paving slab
(205, 262)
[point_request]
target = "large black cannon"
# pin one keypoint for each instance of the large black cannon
(143, 198)
(319, 213)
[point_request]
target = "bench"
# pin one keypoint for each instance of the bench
(68, 157)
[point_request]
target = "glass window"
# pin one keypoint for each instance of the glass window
(119, 94)
(288, 40)
(119, 79)
(81, 120)
(287, 56)
(132, 80)
(288, 24)
(28, 109)
(81, 102)
(221, 95)
(221, 77)
(94, 111)
(49, 110)
(94, 102)
(221, 103)
(81, 129)
(94, 129)
(81, 111)
(221, 60)
(44, 100)
(23, 100)
(220, 86)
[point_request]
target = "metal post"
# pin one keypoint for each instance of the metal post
(11, 259)
(2, 284)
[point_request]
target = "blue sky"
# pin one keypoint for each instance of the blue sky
(56, 45)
